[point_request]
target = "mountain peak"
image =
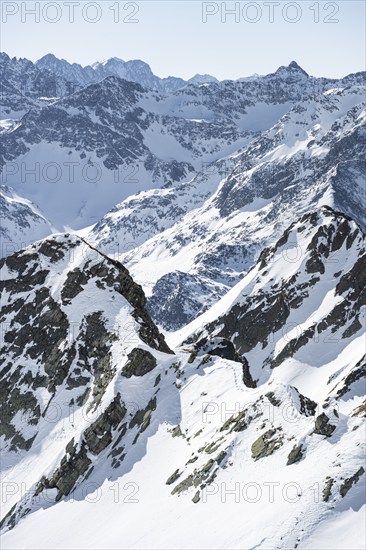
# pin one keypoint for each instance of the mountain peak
(202, 79)
(293, 67)
(4, 55)
(296, 66)
(50, 58)
(108, 61)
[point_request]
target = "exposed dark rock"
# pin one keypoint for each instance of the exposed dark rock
(99, 434)
(221, 457)
(142, 417)
(360, 410)
(357, 373)
(140, 362)
(70, 470)
(177, 432)
(295, 455)
(327, 490)
(272, 399)
(307, 406)
(173, 477)
(200, 478)
(184, 485)
(266, 444)
(94, 353)
(224, 348)
(322, 425)
(237, 423)
(347, 484)
(73, 285)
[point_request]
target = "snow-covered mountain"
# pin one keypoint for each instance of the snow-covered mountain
(134, 70)
(207, 235)
(20, 78)
(114, 138)
(72, 72)
(21, 224)
(306, 292)
(266, 386)
(182, 352)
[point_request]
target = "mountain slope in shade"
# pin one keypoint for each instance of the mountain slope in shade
(288, 453)
(131, 223)
(22, 223)
(13, 103)
(140, 72)
(76, 76)
(30, 81)
(72, 72)
(303, 302)
(75, 330)
(134, 70)
(312, 156)
(114, 138)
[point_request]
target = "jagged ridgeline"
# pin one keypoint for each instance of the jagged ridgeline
(209, 231)
(239, 208)
(91, 386)
(303, 300)
(74, 331)
(118, 132)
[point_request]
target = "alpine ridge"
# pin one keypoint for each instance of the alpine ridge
(183, 303)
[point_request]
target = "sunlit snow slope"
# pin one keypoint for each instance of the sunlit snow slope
(250, 436)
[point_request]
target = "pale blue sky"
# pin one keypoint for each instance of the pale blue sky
(172, 37)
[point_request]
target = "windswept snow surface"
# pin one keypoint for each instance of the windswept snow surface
(226, 409)
(204, 427)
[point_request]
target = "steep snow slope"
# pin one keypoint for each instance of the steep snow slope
(78, 156)
(74, 331)
(261, 503)
(222, 463)
(21, 222)
(302, 305)
(311, 157)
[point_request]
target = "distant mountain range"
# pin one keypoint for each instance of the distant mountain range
(183, 308)
(230, 166)
(134, 70)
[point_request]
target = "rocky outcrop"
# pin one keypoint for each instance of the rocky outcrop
(266, 444)
(323, 425)
(295, 455)
(265, 312)
(350, 481)
(46, 343)
(139, 363)
(221, 347)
